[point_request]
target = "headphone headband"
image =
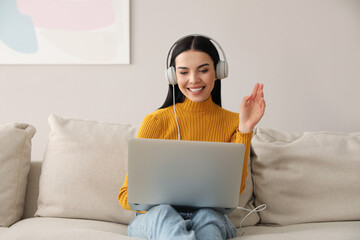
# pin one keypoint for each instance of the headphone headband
(193, 35)
(221, 67)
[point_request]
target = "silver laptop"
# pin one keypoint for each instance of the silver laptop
(185, 174)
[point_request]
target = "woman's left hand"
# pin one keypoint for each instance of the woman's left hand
(252, 109)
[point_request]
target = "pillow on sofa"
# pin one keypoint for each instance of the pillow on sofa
(84, 166)
(15, 157)
(306, 177)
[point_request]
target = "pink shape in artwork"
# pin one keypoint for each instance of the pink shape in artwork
(69, 14)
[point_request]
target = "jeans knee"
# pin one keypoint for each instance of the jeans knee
(208, 222)
(208, 213)
(208, 216)
(163, 209)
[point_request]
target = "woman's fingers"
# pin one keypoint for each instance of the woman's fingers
(255, 90)
(260, 92)
(257, 96)
(262, 104)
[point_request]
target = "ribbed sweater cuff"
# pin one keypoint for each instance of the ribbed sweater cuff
(244, 138)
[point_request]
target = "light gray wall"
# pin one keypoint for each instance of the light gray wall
(306, 52)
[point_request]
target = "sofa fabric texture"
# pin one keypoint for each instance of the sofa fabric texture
(306, 177)
(15, 156)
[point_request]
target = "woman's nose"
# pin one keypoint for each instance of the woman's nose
(194, 78)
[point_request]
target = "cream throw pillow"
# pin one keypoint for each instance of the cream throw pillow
(15, 157)
(306, 177)
(84, 167)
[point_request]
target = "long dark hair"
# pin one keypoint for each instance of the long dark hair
(199, 43)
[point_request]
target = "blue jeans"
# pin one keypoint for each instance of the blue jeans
(164, 222)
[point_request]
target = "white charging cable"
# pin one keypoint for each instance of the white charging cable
(260, 208)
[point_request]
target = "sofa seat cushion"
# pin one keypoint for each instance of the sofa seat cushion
(309, 231)
(3, 230)
(43, 228)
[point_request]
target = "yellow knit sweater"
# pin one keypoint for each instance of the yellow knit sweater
(204, 121)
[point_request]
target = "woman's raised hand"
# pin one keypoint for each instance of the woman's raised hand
(252, 109)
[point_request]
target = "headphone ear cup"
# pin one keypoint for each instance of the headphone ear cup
(171, 75)
(222, 70)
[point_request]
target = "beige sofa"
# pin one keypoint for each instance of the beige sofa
(309, 182)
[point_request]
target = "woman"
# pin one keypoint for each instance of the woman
(195, 72)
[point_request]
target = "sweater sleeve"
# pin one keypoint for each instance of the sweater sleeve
(150, 128)
(244, 138)
(122, 197)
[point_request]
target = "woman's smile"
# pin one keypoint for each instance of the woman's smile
(197, 90)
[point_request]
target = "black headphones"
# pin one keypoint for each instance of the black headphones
(221, 66)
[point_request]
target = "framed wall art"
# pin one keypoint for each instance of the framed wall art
(64, 31)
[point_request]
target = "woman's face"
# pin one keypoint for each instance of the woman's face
(195, 74)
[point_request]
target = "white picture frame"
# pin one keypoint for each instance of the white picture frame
(65, 32)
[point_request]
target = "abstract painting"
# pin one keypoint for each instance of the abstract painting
(64, 32)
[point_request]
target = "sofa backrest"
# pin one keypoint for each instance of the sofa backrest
(317, 169)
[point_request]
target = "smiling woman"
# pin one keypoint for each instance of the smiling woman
(196, 113)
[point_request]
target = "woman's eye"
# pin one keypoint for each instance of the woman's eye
(183, 73)
(204, 70)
